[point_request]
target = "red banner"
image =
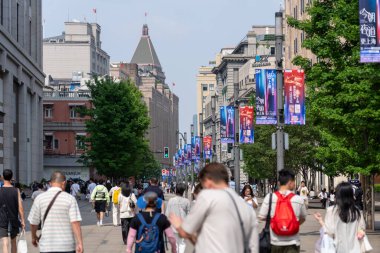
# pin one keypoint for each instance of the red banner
(246, 124)
(207, 147)
(294, 85)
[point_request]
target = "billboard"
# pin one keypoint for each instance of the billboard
(189, 152)
(246, 125)
(207, 147)
(227, 124)
(266, 96)
(369, 18)
(294, 89)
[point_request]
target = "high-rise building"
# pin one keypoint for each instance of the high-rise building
(206, 85)
(75, 54)
(161, 101)
(293, 37)
(21, 82)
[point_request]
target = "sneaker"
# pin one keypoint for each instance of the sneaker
(98, 223)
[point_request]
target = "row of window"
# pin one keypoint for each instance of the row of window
(74, 112)
(302, 8)
(52, 143)
(208, 87)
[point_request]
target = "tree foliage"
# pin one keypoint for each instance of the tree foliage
(119, 120)
(344, 94)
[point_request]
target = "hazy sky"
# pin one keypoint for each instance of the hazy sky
(186, 33)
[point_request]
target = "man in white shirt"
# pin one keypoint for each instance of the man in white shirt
(61, 231)
(304, 192)
(75, 190)
(287, 185)
(114, 196)
(214, 218)
(90, 188)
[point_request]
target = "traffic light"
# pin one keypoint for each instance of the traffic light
(166, 152)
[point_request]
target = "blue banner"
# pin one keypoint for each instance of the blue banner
(266, 96)
(369, 15)
(227, 124)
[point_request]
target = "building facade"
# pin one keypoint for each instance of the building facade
(293, 37)
(206, 86)
(21, 82)
(76, 53)
(161, 101)
(63, 128)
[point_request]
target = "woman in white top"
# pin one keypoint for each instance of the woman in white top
(127, 204)
(344, 222)
(249, 197)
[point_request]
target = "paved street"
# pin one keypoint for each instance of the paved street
(108, 238)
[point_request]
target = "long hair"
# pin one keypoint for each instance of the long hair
(348, 211)
(247, 186)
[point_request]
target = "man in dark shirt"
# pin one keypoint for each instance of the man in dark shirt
(153, 187)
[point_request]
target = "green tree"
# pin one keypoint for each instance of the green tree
(344, 94)
(119, 120)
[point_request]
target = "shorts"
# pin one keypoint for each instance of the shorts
(4, 232)
(100, 206)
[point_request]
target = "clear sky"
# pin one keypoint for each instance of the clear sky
(186, 33)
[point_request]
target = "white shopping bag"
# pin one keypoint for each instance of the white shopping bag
(22, 246)
(327, 245)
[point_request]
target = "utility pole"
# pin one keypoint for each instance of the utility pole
(236, 134)
(201, 136)
(280, 92)
(213, 119)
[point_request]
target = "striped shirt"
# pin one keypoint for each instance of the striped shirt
(57, 234)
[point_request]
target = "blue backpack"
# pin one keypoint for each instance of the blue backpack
(148, 236)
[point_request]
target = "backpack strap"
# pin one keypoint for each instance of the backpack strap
(155, 219)
(141, 219)
(267, 223)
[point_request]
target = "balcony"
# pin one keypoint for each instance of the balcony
(67, 95)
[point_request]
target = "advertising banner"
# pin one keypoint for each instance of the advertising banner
(246, 125)
(227, 124)
(207, 147)
(179, 155)
(266, 96)
(196, 145)
(369, 15)
(294, 88)
(189, 152)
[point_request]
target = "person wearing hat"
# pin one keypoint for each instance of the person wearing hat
(149, 203)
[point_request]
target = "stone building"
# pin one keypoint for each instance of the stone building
(293, 37)
(21, 82)
(76, 54)
(161, 101)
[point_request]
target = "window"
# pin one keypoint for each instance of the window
(49, 142)
(302, 6)
(211, 87)
(272, 51)
(17, 21)
(302, 37)
(204, 87)
(295, 46)
(48, 112)
(75, 111)
(56, 144)
(30, 37)
(80, 145)
(2, 12)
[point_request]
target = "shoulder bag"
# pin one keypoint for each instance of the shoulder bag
(264, 237)
(47, 212)
(245, 237)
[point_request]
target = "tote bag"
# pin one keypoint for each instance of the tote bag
(22, 246)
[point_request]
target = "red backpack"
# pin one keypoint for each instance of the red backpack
(284, 221)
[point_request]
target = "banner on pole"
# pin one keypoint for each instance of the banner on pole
(266, 96)
(207, 147)
(294, 86)
(369, 15)
(196, 148)
(246, 125)
(227, 124)
(189, 152)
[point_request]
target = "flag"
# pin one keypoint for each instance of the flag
(94, 10)
(173, 84)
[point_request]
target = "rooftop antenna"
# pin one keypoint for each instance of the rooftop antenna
(146, 15)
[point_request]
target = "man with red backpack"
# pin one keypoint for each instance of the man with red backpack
(287, 213)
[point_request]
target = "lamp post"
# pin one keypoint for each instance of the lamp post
(201, 137)
(213, 119)
(236, 134)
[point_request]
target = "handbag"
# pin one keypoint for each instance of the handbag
(22, 246)
(327, 244)
(245, 237)
(264, 237)
(47, 212)
(365, 245)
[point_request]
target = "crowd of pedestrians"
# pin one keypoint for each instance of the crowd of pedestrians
(216, 220)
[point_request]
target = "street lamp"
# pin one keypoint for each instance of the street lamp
(192, 150)
(201, 137)
(184, 137)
